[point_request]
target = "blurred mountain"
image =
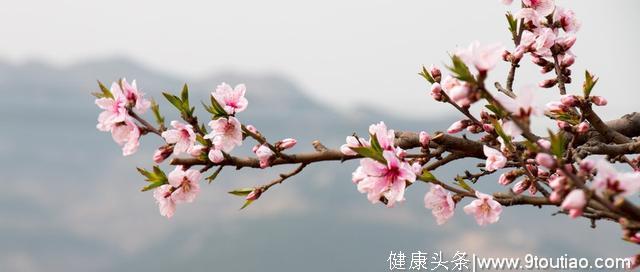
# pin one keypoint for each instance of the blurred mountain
(71, 202)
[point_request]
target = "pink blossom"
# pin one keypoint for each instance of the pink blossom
(544, 41)
(226, 133)
(264, 154)
(608, 179)
(574, 202)
(483, 57)
(530, 15)
(424, 138)
(286, 143)
(457, 91)
(567, 19)
(556, 107)
(544, 7)
(186, 183)
(134, 97)
(182, 136)
(440, 202)
(231, 99)
(358, 175)
(166, 203)
(495, 159)
(114, 109)
(506, 2)
(352, 141)
(435, 72)
(545, 160)
(254, 195)
(385, 180)
(522, 106)
(215, 155)
(484, 209)
(126, 134)
(196, 150)
(384, 136)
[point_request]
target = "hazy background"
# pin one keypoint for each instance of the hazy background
(314, 70)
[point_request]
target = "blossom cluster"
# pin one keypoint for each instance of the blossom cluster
(122, 104)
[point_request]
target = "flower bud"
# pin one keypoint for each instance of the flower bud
(568, 60)
(424, 138)
(435, 73)
(521, 186)
(564, 125)
(574, 202)
(546, 69)
(587, 165)
(540, 61)
(556, 107)
(566, 42)
(436, 91)
(215, 155)
(599, 100)
(457, 127)
(545, 160)
(196, 150)
(286, 143)
(506, 55)
(508, 177)
(162, 153)
(583, 128)
(252, 129)
(544, 144)
(570, 100)
(488, 128)
(548, 83)
(255, 194)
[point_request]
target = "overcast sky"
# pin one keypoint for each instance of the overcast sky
(343, 52)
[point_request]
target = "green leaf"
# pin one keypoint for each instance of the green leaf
(155, 176)
(155, 108)
(154, 185)
(158, 173)
(589, 81)
(201, 140)
(246, 203)
(104, 91)
(460, 182)
(214, 175)
(498, 128)
(513, 23)
(424, 73)
(427, 176)
(174, 100)
(375, 144)
(497, 111)
(460, 69)
(217, 107)
(242, 191)
(557, 144)
(369, 152)
(184, 95)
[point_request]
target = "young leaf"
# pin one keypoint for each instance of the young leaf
(242, 191)
(375, 144)
(155, 108)
(246, 203)
(460, 182)
(460, 69)
(369, 152)
(174, 100)
(154, 185)
(104, 92)
(184, 95)
(589, 81)
(513, 23)
(214, 175)
(424, 73)
(557, 144)
(427, 176)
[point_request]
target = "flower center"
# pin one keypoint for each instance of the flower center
(485, 208)
(186, 185)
